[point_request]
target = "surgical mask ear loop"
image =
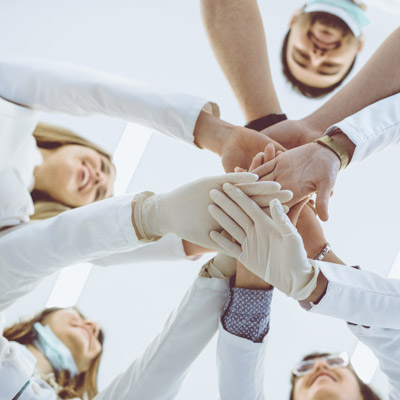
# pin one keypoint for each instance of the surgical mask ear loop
(58, 354)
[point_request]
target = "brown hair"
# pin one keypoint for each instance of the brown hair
(52, 137)
(302, 88)
(366, 392)
(84, 383)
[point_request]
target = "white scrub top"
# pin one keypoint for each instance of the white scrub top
(50, 86)
(40, 248)
(152, 376)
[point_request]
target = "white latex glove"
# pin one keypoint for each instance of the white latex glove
(221, 266)
(184, 211)
(269, 247)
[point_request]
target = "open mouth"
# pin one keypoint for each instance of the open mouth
(323, 376)
(323, 44)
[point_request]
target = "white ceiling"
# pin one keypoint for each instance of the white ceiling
(164, 43)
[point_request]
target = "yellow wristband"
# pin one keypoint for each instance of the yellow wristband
(336, 148)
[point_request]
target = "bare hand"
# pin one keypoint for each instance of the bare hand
(304, 170)
(241, 146)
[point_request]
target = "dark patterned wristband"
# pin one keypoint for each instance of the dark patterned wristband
(265, 122)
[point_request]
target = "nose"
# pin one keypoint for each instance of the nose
(320, 363)
(94, 327)
(100, 177)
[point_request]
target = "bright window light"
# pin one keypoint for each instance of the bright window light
(69, 286)
(364, 362)
(131, 146)
(395, 271)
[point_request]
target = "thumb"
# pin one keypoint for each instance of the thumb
(322, 201)
(281, 220)
(236, 177)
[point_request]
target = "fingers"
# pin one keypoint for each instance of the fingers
(227, 223)
(322, 201)
(281, 220)
(259, 188)
(232, 211)
(257, 161)
(230, 248)
(266, 169)
(238, 169)
(268, 211)
(269, 152)
(233, 177)
(244, 202)
(263, 200)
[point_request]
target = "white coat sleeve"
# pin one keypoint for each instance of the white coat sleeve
(385, 343)
(159, 373)
(240, 365)
(373, 298)
(168, 248)
(374, 128)
(38, 249)
(15, 368)
(71, 89)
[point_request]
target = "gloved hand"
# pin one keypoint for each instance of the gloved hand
(269, 247)
(221, 266)
(184, 212)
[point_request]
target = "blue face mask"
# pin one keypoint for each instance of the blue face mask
(58, 354)
(350, 13)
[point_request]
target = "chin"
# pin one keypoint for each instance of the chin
(324, 392)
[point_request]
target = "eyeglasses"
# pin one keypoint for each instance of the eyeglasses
(333, 360)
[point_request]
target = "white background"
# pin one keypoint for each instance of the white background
(163, 42)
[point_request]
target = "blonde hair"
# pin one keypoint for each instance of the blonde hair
(83, 385)
(52, 137)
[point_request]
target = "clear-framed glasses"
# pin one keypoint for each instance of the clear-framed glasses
(339, 360)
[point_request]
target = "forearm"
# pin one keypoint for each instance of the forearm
(211, 133)
(41, 248)
(76, 90)
(194, 250)
(237, 37)
(378, 79)
(247, 280)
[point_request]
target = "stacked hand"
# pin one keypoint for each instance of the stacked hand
(304, 170)
(242, 145)
(269, 247)
(184, 211)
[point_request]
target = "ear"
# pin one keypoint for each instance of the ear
(294, 17)
(361, 41)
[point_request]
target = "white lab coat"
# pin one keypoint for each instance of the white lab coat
(373, 298)
(53, 243)
(371, 302)
(356, 296)
(150, 377)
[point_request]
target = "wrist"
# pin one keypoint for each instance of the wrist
(312, 129)
(319, 291)
(211, 132)
(138, 235)
(245, 279)
(343, 140)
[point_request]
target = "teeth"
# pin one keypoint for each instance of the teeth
(85, 177)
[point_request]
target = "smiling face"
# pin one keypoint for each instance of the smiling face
(75, 175)
(320, 49)
(80, 335)
(328, 383)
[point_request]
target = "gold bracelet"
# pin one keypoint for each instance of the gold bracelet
(336, 148)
